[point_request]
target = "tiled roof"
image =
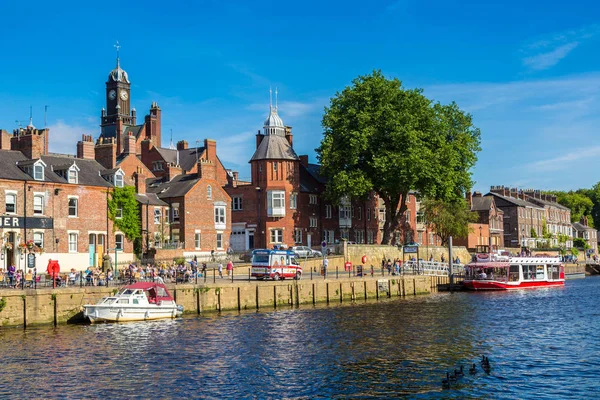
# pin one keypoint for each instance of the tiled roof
(150, 198)
(514, 200)
(313, 169)
(581, 227)
(274, 147)
(187, 157)
(177, 187)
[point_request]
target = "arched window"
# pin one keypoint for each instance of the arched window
(209, 192)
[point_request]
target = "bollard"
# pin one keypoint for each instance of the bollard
(231, 275)
(249, 273)
(311, 274)
(336, 272)
(214, 276)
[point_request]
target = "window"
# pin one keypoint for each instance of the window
(209, 192)
(328, 236)
(276, 235)
(293, 201)
(73, 243)
(237, 204)
(370, 237)
(359, 236)
(119, 242)
(175, 212)
(344, 234)
(197, 240)
(275, 166)
(167, 215)
(38, 172)
(157, 166)
(298, 236)
(157, 216)
(345, 212)
(175, 237)
(119, 212)
(313, 222)
(359, 213)
(119, 179)
(11, 203)
(219, 241)
(38, 239)
(38, 204)
(276, 203)
(72, 176)
(382, 215)
(408, 216)
(368, 214)
(219, 215)
(328, 211)
(73, 206)
(312, 199)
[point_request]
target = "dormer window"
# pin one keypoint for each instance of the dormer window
(69, 172)
(38, 172)
(33, 168)
(118, 179)
(73, 175)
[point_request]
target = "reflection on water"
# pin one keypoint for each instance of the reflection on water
(541, 343)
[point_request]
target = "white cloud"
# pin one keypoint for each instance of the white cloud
(563, 161)
(546, 60)
(64, 137)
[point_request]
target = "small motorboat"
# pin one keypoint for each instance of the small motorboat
(141, 301)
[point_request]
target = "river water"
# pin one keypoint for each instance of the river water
(541, 344)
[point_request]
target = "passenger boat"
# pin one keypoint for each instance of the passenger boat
(487, 272)
(141, 301)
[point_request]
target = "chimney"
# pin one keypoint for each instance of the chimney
(85, 148)
(469, 198)
(129, 145)
(288, 135)
(304, 160)
(133, 116)
(210, 149)
(140, 181)
(235, 175)
(32, 142)
(4, 140)
(182, 145)
(106, 152)
(259, 138)
(153, 124)
(172, 171)
(206, 170)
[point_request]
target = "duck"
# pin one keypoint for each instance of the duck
(473, 369)
(452, 377)
(446, 382)
(459, 372)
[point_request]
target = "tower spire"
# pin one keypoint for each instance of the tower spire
(117, 46)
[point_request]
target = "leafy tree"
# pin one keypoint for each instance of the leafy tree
(562, 239)
(546, 234)
(384, 138)
(574, 251)
(448, 218)
(124, 212)
(579, 243)
(578, 202)
(533, 233)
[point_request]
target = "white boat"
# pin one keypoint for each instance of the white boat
(141, 301)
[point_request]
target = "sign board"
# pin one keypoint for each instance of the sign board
(383, 285)
(348, 266)
(31, 260)
(32, 222)
(411, 249)
(323, 244)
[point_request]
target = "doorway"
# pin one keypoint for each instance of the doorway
(250, 240)
(309, 240)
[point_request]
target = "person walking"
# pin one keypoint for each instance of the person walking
(203, 269)
(230, 269)
(220, 270)
(325, 265)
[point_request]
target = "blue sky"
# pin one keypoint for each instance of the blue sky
(527, 71)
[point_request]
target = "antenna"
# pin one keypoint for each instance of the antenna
(270, 98)
(30, 116)
(276, 92)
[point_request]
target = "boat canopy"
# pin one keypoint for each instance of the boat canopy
(491, 264)
(156, 291)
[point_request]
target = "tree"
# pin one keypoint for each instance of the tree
(448, 218)
(533, 233)
(546, 234)
(578, 202)
(384, 138)
(580, 243)
(124, 212)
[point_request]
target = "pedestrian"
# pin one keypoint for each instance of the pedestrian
(220, 270)
(430, 257)
(203, 269)
(325, 265)
(230, 269)
(11, 274)
(443, 258)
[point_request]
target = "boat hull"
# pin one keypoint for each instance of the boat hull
(98, 313)
(497, 285)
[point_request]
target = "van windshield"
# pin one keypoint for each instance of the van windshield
(260, 258)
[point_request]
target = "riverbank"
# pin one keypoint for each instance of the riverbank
(59, 306)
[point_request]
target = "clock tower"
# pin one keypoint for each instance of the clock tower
(118, 102)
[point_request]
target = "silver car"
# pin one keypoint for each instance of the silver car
(306, 252)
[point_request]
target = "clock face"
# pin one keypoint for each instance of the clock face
(112, 94)
(123, 95)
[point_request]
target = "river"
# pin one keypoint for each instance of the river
(541, 344)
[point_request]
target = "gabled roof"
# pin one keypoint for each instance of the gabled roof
(274, 147)
(187, 157)
(481, 203)
(581, 227)
(135, 130)
(308, 183)
(150, 198)
(514, 200)
(177, 187)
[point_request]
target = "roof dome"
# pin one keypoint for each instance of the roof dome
(273, 124)
(118, 75)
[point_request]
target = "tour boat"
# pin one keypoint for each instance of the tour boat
(141, 301)
(488, 273)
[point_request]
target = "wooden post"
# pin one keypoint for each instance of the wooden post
(239, 297)
(257, 299)
(365, 285)
(274, 296)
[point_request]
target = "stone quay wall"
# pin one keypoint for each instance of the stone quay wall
(58, 306)
(375, 253)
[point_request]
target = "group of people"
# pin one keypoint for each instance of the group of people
(392, 267)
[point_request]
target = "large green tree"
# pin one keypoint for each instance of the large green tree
(448, 218)
(579, 202)
(384, 138)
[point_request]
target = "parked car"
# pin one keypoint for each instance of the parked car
(306, 252)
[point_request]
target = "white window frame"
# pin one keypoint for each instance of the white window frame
(313, 222)
(329, 236)
(42, 197)
(197, 239)
(175, 208)
(157, 215)
(73, 238)
(13, 195)
(219, 238)
(276, 203)
(293, 201)
(209, 192)
(220, 214)
(312, 199)
(38, 168)
(72, 176)
(119, 179)
(157, 166)
(121, 241)
(76, 198)
(119, 211)
(298, 236)
(276, 235)
(237, 203)
(40, 235)
(328, 211)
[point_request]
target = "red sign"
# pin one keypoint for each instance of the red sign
(364, 259)
(348, 266)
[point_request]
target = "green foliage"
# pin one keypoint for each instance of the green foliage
(179, 260)
(579, 243)
(2, 303)
(579, 202)
(384, 138)
(448, 218)
(533, 233)
(546, 234)
(129, 223)
(574, 251)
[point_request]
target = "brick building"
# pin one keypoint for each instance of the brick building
(489, 227)
(582, 230)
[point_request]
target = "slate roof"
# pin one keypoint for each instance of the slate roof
(176, 187)
(187, 157)
(135, 130)
(150, 198)
(481, 203)
(514, 200)
(314, 169)
(550, 203)
(89, 170)
(308, 183)
(581, 227)
(274, 147)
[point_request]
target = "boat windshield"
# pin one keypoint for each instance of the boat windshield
(108, 300)
(487, 273)
(127, 292)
